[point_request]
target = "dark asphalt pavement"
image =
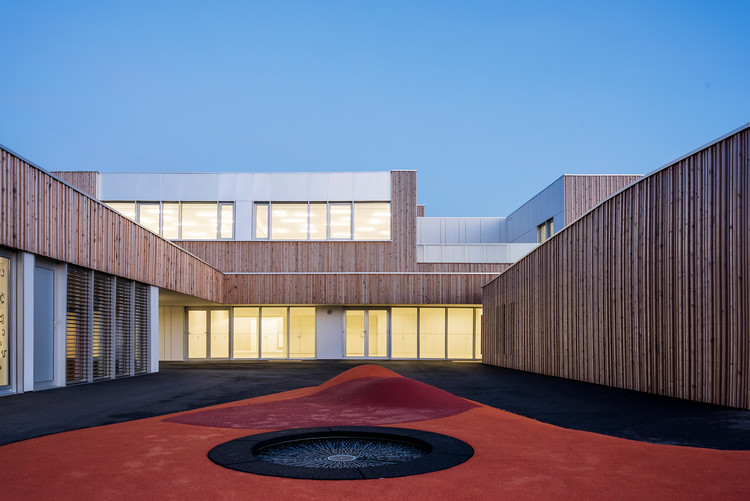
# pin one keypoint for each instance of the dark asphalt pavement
(181, 386)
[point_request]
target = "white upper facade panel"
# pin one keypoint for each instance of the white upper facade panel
(548, 204)
(247, 187)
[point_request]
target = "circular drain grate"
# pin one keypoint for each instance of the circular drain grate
(342, 453)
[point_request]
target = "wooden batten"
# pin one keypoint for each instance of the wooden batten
(648, 291)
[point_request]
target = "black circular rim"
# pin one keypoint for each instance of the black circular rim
(440, 452)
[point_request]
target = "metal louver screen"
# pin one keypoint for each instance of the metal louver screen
(78, 327)
(123, 328)
(141, 329)
(102, 327)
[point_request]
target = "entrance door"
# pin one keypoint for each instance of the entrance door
(366, 333)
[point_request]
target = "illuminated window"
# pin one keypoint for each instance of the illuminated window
(127, 209)
(289, 221)
(302, 332)
(170, 220)
(199, 221)
(5, 310)
(261, 221)
(246, 332)
(227, 220)
(322, 221)
(219, 333)
(341, 221)
(372, 221)
(273, 332)
(197, 333)
(460, 332)
(404, 333)
(478, 333)
(377, 333)
(545, 230)
(148, 216)
(432, 333)
(318, 221)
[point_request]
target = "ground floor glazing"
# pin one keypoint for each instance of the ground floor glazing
(321, 332)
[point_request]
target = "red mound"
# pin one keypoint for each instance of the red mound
(356, 402)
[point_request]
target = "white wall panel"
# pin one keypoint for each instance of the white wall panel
(472, 253)
(452, 230)
(199, 187)
(227, 182)
(340, 186)
(262, 187)
(170, 188)
(289, 187)
(118, 186)
(147, 187)
(244, 189)
(490, 230)
(171, 332)
(318, 186)
(541, 207)
(372, 186)
(473, 230)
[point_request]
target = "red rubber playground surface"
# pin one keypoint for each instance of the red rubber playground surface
(515, 457)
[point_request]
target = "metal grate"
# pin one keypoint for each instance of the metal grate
(141, 329)
(102, 323)
(340, 452)
(78, 327)
(123, 328)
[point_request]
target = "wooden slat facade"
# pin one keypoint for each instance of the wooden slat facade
(582, 193)
(86, 181)
(649, 291)
(44, 216)
(355, 288)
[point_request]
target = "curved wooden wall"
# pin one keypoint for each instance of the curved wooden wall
(648, 291)
(44, 216)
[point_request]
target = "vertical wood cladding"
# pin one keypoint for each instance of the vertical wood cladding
(86, 181)
(355, 288)
(582, 193)
(649, 291)
(44, 216)
(399, 254)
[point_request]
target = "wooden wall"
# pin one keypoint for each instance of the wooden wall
(649, 291)
(44, 216)
(582, 193)
(355, 288)
(86, 181)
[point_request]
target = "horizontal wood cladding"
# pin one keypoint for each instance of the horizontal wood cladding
(44, 216)
(355, 288)
(582, 193)
(399, 254)
(650, 291)
(86, 181)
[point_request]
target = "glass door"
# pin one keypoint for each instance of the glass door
(366, 333)
(197, 333)
(355, 333)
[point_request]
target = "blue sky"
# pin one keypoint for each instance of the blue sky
(490, 101)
